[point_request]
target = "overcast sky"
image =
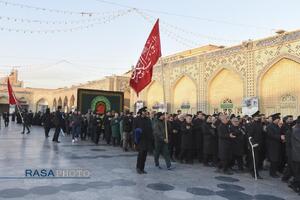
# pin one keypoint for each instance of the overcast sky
(64, 58)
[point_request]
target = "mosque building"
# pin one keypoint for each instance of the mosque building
(209, 78)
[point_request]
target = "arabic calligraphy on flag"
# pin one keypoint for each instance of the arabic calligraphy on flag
(142, 73)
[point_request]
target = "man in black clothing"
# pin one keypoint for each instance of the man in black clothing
(6, 118)
(58, 121)
(107, 127)
(25, 122)
(127, 129)
(97, 123)
(198, 126)
(255, 133)
(287, 129)
(225, 144)
(238, 143)
(274, 144)
(143, 123)
(295, 155)
(47, 122)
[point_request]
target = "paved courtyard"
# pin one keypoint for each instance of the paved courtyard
(113, 174)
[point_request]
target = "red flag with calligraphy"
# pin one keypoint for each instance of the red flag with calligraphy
(142, 73)
(11, 96)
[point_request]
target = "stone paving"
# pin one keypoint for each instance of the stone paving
(113, 174)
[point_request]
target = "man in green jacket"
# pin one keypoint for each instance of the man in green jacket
(160, 141)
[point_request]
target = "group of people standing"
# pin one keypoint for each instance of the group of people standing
(228, 142)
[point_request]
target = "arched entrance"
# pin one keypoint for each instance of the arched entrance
(65, 106)
(54, 105)
(41, 105)
(225, 92)
(280, 88)
(185, 95)
(59, 102)
(127, 99)
(72, 103)
(155, 98)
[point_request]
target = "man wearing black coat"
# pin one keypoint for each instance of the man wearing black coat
(6, 118)
(287, 129)
(25, 122)
(198, 124)
(46, 119)
(58, 121)
(255, 133)
(143, 123)
(187, 140)
(210, 141)
(107, 127)
(295, 155)
(238, 143)
(274, 144)
(225, 144)
(176, 129)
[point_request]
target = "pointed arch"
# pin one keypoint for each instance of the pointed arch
(41, 105)
(278, 80)
(65, 105)
(59, 102)
(54, 104)
(154, 95)
(185, 95)
(225, 91)
(72, 101)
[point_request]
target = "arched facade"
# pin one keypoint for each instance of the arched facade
(59, 102)
(65, 105)
(127, 99)
(225, 92)
(155, 98)
(280, 89)
(72, 102)
(185, 95)
(42, 105)
(54, 105)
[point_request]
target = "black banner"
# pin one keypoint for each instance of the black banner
(99, 101)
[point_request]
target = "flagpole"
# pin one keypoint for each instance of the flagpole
(164, 96)
(20, 113)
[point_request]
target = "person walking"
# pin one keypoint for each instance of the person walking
(160, 141)
(47, 122)
(58, 121)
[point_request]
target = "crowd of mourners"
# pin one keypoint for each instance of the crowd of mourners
(227, 142)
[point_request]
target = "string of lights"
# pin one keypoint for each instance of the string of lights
(179, 29)
(58, 11)
(104, 20)
(175, 36)
(63, 22)
(191, 17)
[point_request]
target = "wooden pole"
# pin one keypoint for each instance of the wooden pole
(20, 113)
(165, 103)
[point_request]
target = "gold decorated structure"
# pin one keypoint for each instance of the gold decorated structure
(209, 78)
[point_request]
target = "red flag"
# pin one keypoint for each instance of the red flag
(12, 99)
(142, 73)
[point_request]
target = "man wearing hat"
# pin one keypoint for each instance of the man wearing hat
(295, 155)
(160, 141)
(274, 140)
(255, 133)
(143, 123)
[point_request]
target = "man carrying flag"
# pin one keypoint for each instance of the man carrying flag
(140, 78)
(12, 100)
